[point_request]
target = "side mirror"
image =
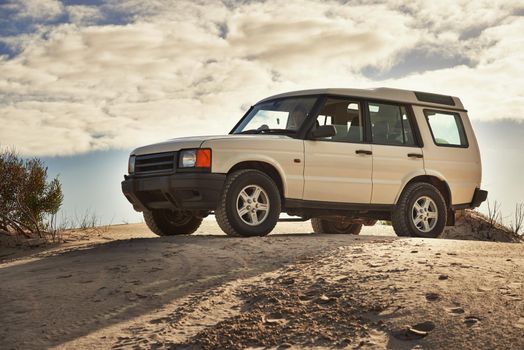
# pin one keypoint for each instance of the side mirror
(323, 131)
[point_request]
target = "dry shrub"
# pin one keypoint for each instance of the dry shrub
(28, 201)
(518, 219)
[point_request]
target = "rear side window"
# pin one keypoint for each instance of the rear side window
(446, 128)
(390, 125)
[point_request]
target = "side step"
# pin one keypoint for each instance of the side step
(293, 219)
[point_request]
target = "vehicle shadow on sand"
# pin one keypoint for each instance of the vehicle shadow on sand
(59, 298)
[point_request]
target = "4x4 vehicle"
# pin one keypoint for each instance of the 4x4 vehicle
(340, 157)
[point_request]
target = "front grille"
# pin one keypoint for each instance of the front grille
(155, 163)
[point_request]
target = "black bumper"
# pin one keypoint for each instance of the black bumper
(479, 196)
(191, 191)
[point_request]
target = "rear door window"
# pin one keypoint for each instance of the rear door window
(390, 125)
(446, 128)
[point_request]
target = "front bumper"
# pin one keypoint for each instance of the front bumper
(188, 191)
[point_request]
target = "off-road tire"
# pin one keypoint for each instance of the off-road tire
(330, 227)
(161, 223)
(226, 211)
(401, 217)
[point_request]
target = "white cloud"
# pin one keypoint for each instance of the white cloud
(186, 67)
(84, 15)
(39, 9)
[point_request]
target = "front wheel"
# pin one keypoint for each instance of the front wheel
(249, 205)
(420, 212)
(340, 226)
(171, 223)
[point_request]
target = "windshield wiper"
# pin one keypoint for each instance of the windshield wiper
(251, 131)
(268, 131)
(280, 131)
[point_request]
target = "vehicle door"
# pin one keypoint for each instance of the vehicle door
(397, 152)
(338, 168)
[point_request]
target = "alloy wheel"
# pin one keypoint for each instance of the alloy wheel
(252, 205)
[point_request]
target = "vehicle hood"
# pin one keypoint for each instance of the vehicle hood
(196, 142)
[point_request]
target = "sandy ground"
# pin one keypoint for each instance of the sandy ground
(123, 287)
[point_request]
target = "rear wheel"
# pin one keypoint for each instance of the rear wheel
(420, 211)
(249, 205)
(171, 223)
(341, 226)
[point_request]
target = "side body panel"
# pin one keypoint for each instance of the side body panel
(335, 173)
(392, 169)
(459, 167)
(279, 151)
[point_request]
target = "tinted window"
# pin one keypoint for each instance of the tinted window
(390, 124)
(446, 128)
(345, 116)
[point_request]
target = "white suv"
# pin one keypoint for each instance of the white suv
(340, 157)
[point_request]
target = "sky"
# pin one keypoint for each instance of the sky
(84, 82)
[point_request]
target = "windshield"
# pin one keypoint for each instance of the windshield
(284, 116)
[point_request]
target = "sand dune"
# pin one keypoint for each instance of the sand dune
(124, 287)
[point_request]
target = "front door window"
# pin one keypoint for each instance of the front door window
(346, 116)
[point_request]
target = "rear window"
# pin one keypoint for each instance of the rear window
(446, 128)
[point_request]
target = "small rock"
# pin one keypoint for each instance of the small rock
(426, 326)
(344, 342)
(457, 310)
(284, 346)
(288, 281)
(272, 321)
(323, 299)
(415, 332)
(471, 320)
(414, 251)
(443, 277)
(432, 296)
(341, 279)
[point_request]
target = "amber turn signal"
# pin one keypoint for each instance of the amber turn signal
(203, 158)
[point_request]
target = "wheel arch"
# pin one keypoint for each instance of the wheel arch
(267, 168)
(439, 183)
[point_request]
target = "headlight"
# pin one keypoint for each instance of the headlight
(131, 165)
(195, 158)
(187, 158)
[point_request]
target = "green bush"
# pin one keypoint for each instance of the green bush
(27, 199)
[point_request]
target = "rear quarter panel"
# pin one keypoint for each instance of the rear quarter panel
(460, 167)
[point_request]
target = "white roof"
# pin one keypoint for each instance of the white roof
(382, 93)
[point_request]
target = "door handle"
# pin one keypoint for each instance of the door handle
(363, 151)
(415, 155)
